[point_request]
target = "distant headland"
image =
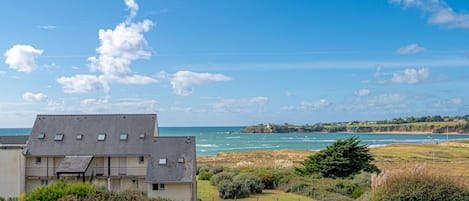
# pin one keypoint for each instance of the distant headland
(414, 125)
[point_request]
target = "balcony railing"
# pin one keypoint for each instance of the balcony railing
(95, 171)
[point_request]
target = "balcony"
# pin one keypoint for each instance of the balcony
(95, 171)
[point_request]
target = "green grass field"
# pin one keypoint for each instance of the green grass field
(207, 192)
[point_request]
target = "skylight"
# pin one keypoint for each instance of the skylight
(123, 137)
(162, 161)
(59, 137)
(101, 136)
(79, 136)
(181, 160)
(41, 135)
(141, 136)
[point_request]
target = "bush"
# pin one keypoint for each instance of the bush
(60, 189)
(205, 175)
(201, 169)
(216, 169)
(419, 187)
(272, 178)
(253, 183)
(216, 179)
(232, 190)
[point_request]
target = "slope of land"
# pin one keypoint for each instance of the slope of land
(451, 158)
(430, 125)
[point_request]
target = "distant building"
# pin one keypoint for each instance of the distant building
(121, 151)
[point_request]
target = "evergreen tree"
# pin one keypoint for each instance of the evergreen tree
(343, 158)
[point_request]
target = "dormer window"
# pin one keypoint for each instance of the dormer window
(101, 136)
(181, 160)
(162, 161)
(79, 137)
(41, 135)
(59, 137)
(123, 137)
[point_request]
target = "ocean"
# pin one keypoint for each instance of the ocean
(212, 140)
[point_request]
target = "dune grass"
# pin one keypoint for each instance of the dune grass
(207, 192)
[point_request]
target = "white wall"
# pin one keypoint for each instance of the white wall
(176, 192)
(12, 169)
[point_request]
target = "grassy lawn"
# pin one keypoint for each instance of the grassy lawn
(207, 192)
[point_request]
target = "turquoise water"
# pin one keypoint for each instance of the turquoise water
(211, 140)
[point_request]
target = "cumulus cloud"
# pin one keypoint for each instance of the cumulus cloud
(438, 11)
(240, 104)
(411, 76)
(449, 103)
(119, 47)
(410, 49)
(362, 92)
(183, 81)
(82, 84)
(22, 58)
(32, 97)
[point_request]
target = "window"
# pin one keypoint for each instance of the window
(142, 136)
(44, 182)
(141, 160)
(123, 137)
(101, 136)
(79, 136)
(156, 187)
(162, 161)
(181, 160)
(59, 137)
(38, 160)
(41, 135)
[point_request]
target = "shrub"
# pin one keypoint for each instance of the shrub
(205, 175)
(215, 180)
(233, 190)
(59, 190)
(343, 158)
(272, 178)
(216, 169)
(253, 183)
(201, 169)
(419, 187)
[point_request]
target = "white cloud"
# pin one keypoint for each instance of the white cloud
(119, 47)
(22, 58)
(362, 92)
(240, 104)
(411, 76)
(47, 27)
(31, 97)
(448, 103)
(308, 105)
(440, 13)
(133, 7)
(410, 49)
(183, 81)
(82, 84)
(2, 73)
(314, 105)
(387, 99)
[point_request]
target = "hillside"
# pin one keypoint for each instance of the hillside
(429, 124)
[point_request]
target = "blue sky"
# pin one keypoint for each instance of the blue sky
(213, 63)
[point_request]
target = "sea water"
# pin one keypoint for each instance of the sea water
(212, 140)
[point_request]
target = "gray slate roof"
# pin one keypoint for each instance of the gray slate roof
(74, 164)
(16, 139)
(90, 126)
(171, 148)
